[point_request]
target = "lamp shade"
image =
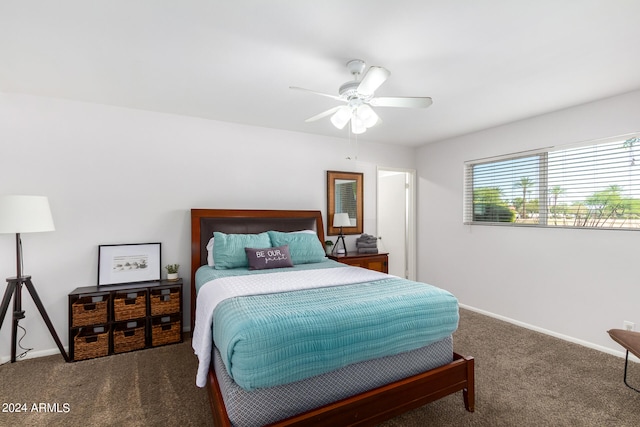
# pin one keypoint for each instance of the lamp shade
(341, 220)
(341, 117)
(25, 214)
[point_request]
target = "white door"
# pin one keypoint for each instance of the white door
(396, 220)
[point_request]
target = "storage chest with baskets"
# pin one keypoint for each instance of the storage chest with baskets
(126, 317)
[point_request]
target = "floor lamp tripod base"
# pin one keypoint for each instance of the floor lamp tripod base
(14, 289)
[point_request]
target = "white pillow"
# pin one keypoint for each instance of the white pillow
(210, 260)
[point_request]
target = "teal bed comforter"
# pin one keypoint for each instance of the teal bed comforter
(273, 339)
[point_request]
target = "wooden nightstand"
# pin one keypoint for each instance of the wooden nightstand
(377, 262)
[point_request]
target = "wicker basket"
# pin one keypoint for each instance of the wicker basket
(129, 336)
(129, 305)
(166, 330)
(165, 301)
(91, 342)
(90, 310)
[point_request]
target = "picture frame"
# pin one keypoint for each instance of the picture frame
(128, 263)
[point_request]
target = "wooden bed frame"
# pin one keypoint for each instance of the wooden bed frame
(365, 409)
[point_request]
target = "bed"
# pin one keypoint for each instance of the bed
(390, 393)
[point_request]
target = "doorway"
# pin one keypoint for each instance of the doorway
(396, 220)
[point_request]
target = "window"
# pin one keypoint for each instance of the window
(592, 185)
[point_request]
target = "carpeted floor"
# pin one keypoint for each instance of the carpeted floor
(523, 378)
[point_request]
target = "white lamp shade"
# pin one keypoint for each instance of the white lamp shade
(341, 117)
(25, 214)
(341, 220)
(357, 125)
(368, 116)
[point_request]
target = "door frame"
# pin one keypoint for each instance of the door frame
(410, 223)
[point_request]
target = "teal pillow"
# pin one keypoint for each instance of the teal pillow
(228, 249)
(305, 248)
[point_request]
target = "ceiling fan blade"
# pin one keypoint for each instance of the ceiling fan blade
(399, 101)
(372, 80)
(324, 114)
(341, 117)
(328, 95)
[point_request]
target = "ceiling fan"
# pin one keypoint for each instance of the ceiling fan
(359, 97)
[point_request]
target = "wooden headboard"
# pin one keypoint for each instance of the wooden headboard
(205, 221)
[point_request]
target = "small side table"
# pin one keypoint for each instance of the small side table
(630, 340)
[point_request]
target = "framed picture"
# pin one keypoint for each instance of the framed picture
(138, 262)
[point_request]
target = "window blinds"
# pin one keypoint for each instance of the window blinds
(594, 185)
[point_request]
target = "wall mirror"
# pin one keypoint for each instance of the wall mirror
(344, 195)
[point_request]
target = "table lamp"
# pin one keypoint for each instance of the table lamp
(341, 220)
(24, 214)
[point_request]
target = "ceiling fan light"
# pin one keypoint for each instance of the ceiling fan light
(357, 125)
(358, 94)
(367, 115)
(341, 117)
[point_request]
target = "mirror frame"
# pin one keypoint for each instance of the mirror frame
(332, 176)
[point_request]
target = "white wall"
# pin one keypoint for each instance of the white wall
(116, 175)
(573, 283)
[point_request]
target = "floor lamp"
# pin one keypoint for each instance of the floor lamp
(24, 214)
(341, 220)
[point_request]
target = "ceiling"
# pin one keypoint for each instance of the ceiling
(484, 62)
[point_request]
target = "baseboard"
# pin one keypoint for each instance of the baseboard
(32, 354)
(574, 340)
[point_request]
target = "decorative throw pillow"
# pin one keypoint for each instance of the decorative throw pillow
(305, 248)
(260, 259)
(228, 249)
